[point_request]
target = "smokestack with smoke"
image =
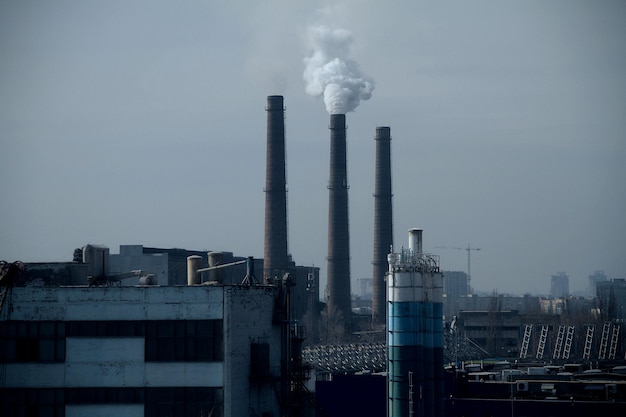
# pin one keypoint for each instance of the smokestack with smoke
(331, 73)
(338, 274)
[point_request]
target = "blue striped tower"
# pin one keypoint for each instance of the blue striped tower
(414, 334)
(426, 318)
(438, 342)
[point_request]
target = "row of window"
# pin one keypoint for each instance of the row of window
(112, 328)
(32, 350)
(165, 340)
(51, 402)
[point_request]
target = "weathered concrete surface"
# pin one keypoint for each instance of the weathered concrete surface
(117, 303)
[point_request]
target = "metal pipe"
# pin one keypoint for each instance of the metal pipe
(212, 268)
(415, 240)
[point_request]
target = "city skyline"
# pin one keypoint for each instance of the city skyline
(144, 123)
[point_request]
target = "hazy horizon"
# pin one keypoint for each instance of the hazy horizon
(144, 123)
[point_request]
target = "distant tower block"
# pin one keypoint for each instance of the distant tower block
(338, 306)
(383, 223)
(275, 253)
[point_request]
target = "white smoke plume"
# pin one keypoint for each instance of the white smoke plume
(332, 73)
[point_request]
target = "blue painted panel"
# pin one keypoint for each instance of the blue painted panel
(403, 339)
(404, 323)
(403, 308)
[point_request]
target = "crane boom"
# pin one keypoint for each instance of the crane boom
(468, 249)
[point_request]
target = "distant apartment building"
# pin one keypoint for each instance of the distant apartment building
(455, 283)
(612, 299)
(559, 285)
(594, 279)
(365, 286)
(552, 305)
(498, 332)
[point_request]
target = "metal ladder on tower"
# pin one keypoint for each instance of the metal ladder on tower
(411, 401)
(588, 342)
(604, 341)
(559, 342)
(614, 336)
(526, 341)
(569, 338)
(542, 342)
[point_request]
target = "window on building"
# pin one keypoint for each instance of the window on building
(192, 402)
(165, 340)
(41, 402)
(24, 341)
(112, 328)
(184, 340)
(51, 402)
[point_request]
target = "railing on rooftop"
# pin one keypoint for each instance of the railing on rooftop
(407, 258)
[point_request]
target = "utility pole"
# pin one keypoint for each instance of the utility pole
(469, 249)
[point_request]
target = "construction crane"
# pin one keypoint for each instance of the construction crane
(469, 249)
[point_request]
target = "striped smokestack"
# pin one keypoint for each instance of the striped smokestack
(383, 223)
(275, 250)
(339, 308)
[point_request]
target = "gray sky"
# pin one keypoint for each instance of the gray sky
(143, 122)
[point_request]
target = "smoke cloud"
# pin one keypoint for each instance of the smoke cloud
(332, 73)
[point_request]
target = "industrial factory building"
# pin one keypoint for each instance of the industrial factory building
(173, 332)
(169, 266)
(140, 351)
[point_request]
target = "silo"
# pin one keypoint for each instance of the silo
(438, 342)
(426, 325)
(338, 306)
(216, 258)
(275, 252)
(413, 360)
(193, 264)
(383, 222)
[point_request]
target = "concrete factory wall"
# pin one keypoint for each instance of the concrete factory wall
(117, 303)
(133, 345)
(239, 336)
